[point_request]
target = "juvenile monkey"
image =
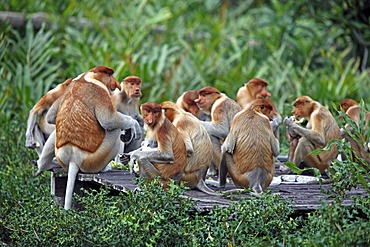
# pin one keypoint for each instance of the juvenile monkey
(38, 131)
(250, 148)
(256, 89)
(167, 160)
(187, 103)
(127, 102)
(198, 146)
(321, 128)
(222, 110)
(87, 126)
(360, 147)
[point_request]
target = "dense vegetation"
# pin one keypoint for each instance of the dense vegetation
(305, 47)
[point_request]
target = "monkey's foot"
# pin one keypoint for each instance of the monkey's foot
(137, 190)
(37, 173)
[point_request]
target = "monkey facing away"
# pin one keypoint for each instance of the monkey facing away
(250, 147)
(167, 158)
(88, 128)
(198, 146)
(321, 128)
(256, 89)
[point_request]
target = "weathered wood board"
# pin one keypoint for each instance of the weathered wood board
(304, 197)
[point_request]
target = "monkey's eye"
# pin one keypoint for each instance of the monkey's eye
(262, 107)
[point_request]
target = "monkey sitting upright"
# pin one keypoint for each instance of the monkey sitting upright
(256, 88)
(126, 101)
(250, 147)
(321, 128)
(167, 159)
(87, 134)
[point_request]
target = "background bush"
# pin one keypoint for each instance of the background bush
(305, 47)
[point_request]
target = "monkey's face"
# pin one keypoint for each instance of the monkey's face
(347, 103)
(151, 113)
(204, 102)
(258, 90)
(133, 89)
(261, 92)
(105, 75)
(302, 110)
(151, 117)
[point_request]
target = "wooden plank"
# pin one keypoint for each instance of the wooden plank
(304, 197)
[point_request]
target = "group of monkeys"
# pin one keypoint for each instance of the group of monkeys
(87, 121)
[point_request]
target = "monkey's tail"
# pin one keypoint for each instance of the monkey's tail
(204, 188)
(73, 169)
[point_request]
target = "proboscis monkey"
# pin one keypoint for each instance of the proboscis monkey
(320, 129)
(222, 110)
(166, 159)
(38, 131)
(256, 89)
(186, 102)
(88, 127)
(198, 146)
(360, 147)
(250, 148)
(127, 102)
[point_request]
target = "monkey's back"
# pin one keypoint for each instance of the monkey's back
(202, 145)
(76, 123)
(252, 147)
(168, 134)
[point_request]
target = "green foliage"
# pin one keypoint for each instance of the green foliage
(27, 69)
(335, 225)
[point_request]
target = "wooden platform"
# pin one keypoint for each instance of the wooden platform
(305, 197)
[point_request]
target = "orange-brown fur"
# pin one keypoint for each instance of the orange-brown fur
(77, 123)
(171, 146)
(321, 128)
(198, 145)
(39, 110)
(187, 103)
(222, 110)
(256, 89)
(253, 147)
(87, 126)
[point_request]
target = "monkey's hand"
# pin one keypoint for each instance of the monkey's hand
(132, 160)
(275, 123)
(140, 120)
(31, 143)
(226, 147)
(289, 121)
(137, 130)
